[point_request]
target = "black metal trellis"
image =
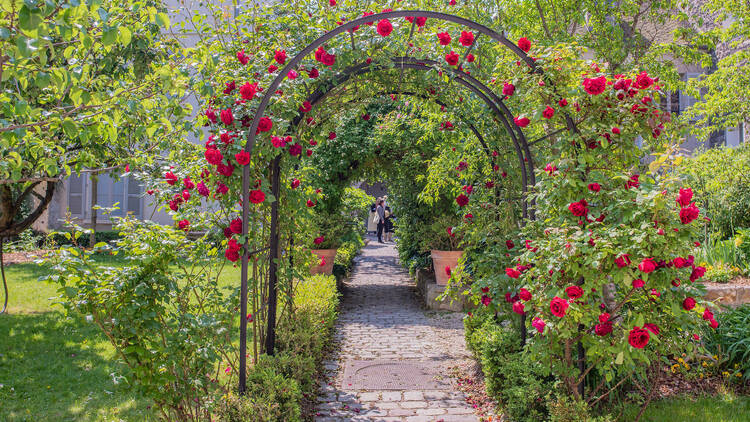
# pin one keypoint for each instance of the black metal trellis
(481, 90)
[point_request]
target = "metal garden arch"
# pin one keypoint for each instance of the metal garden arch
(486, 94)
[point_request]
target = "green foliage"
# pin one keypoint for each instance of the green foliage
(270, 397)
(731, 341)
(163, 312)
(84, 85)
(512, 376)
(720, 178)
(345, 255)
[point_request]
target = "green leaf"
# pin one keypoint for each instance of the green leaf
(618, 359)
(110, 36)
(125, 35)
(70, 129)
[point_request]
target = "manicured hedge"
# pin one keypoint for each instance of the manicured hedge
(278, 385)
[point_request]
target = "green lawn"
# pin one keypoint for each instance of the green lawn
(58, 368)
(724, 408)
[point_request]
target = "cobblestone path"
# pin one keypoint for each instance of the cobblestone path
(393, 357)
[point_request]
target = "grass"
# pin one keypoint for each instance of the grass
(721, 408)
(59, 368)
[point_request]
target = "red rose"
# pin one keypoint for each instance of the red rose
(470, 58)
(257, 196)
(213, 156)
(319, 240)
(638, 283)
(509, 244)
(451, 58)
(265, 124)
(466, 39)
(689, 213)
(236, 226)
(444, 38)
(604, 317)
(222, 188)
(697, 273)
(229, 87)
(232, 255)
(226, 117)
(708, 315)
(508, 89)
(638, 337)
(558, 307)
(647, 265)
(448, 270)
(574, 292)
(211, 115)
(305, 107)
(524, 294)
(684, 197)
(548, 112)
(714, 324)
(280, 56)
(633, 182)
(623, 261)
(295, 150)
(579, 209)
(385, 28)
(203, 189)
(524, 44)
(616, 130)
(310, 203)
(462, 200)
(521, 121)
(603, 329)
(688, 303)
(272, 68)
(295, 183)
(278, 142)
(680, 262)
(563, 102)
(332, 135)
(594, 187)
(643, 81)
(652, 327)
(365, 117)
(225, 170)
(486, 300)
(313, 73)
(512, 273)
(243, 158)
(248, 90)
(242, 57)
(518, 307)
(183, 224)
(539, 324)
(595, 86)
(185, 195)
(171, 178)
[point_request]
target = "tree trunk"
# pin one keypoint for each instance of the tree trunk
(94, 193)
(10, 203)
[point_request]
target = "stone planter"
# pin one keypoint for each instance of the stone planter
(442, 259)
(327, 255)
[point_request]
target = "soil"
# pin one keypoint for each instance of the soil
(10, 258)
(738, 281)
(470, 381)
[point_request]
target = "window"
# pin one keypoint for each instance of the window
(126, 192)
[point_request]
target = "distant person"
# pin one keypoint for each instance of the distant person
(372, 225)
(380, 210)
(388, 224)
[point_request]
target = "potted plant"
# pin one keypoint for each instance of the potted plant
(331, 229)
(443, 242)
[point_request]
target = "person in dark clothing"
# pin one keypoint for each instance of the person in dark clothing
(388, 224)
(380, 210)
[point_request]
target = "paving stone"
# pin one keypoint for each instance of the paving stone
(413, 395)
(381, 319)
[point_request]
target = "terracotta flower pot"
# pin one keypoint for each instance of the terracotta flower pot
(325, 256)
(441, 260)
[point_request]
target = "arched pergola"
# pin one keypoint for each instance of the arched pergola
(482, 91)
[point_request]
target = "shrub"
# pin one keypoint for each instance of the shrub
(511, 377)
(270, 397)
(719, 177)
(730, 342)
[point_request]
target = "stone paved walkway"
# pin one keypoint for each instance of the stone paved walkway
(381, 322)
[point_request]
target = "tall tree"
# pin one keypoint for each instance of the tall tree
(83, 85)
